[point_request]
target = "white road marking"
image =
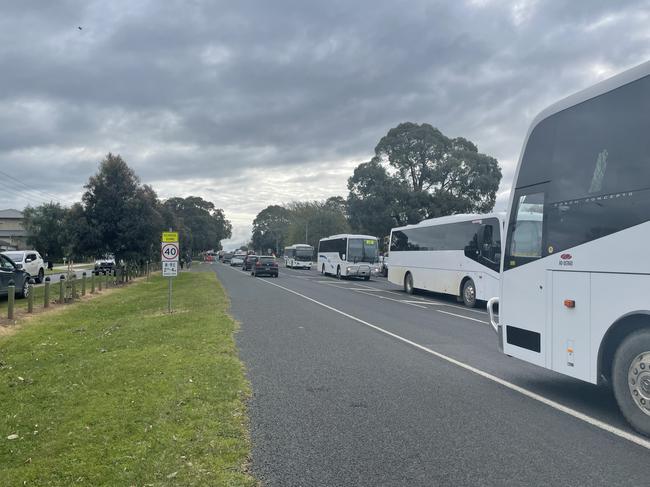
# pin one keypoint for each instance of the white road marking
(391, 299)
(461, 316)
(525, 392)
(439, 303)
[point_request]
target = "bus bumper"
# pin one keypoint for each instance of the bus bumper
(494, 321)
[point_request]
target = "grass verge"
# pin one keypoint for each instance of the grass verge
(113, 391)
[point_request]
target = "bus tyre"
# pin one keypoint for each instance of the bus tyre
(408, 284)
(631, 379)
(469, 293)
(338, 272)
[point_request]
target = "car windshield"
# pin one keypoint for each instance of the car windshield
(15, 256)
(362, 250)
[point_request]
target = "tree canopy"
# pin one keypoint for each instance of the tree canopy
(417, 173)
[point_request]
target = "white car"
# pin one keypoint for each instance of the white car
(28, 260)
(237, 260)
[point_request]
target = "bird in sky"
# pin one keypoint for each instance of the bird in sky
(80, 28)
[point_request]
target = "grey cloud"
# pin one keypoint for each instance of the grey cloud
(198, 95)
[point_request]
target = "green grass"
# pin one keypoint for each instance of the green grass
(112, 391)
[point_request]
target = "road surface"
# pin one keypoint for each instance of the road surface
(357, 383)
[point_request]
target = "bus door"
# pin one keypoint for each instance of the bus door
(524, 279)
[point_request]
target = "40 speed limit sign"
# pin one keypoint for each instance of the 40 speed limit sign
(169, 252)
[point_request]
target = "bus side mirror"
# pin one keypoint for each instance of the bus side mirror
(342, 256)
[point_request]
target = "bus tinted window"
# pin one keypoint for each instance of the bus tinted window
(480, 240)
(595, 157)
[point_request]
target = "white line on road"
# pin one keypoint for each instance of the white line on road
(532, 395)
(461, 316)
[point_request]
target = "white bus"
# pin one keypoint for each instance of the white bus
(348, 255)
(458, 255)
(299, 256)
(578, 301)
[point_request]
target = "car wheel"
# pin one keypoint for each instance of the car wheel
(408, 283)
(469, 294)
(338, 272)
(41, 275)
(24, 291)
(631, 379)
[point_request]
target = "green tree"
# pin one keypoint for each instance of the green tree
(452, 171)
(202, 226)
(270, 228)
(378, 201)
(47, 233)
(309, 221)
(122, 217)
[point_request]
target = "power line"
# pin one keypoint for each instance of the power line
(31, 189)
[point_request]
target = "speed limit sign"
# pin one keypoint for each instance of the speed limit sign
(169, 252)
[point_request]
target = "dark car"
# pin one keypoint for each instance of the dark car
(105, 265)
(264, 265)
(9, 272)
(248, 262)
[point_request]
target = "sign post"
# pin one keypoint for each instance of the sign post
(169, 253)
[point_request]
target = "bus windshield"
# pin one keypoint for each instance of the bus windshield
(362, 250)
(303, 255)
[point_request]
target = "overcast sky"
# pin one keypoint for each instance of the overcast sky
(200, 96)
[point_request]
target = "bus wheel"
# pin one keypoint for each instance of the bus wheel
(408, 283)
(469, 293)
(631, 379)
(338, 272)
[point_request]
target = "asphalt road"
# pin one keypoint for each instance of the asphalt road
(337, 402)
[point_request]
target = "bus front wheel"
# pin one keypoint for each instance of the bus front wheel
(631, 379)
(469, 293)
(408, 283)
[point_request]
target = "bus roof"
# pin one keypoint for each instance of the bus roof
(633, 74)
(349, 235)
(453, 219)
(298, 246)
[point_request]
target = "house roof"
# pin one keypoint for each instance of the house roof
(11, 213)
(13, 233)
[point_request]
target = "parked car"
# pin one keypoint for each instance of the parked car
(265, 265)
(30, 261)
(249, 260)
(10, 272)
(105, 265)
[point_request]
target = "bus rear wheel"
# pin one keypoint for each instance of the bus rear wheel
(631, 379)
(408, 283)
(469, 293)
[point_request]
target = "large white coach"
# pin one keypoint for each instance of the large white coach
(299, 256)
(577, 300)
(458, 255)
(347, 255)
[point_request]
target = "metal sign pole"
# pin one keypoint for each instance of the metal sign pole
(169, 300)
